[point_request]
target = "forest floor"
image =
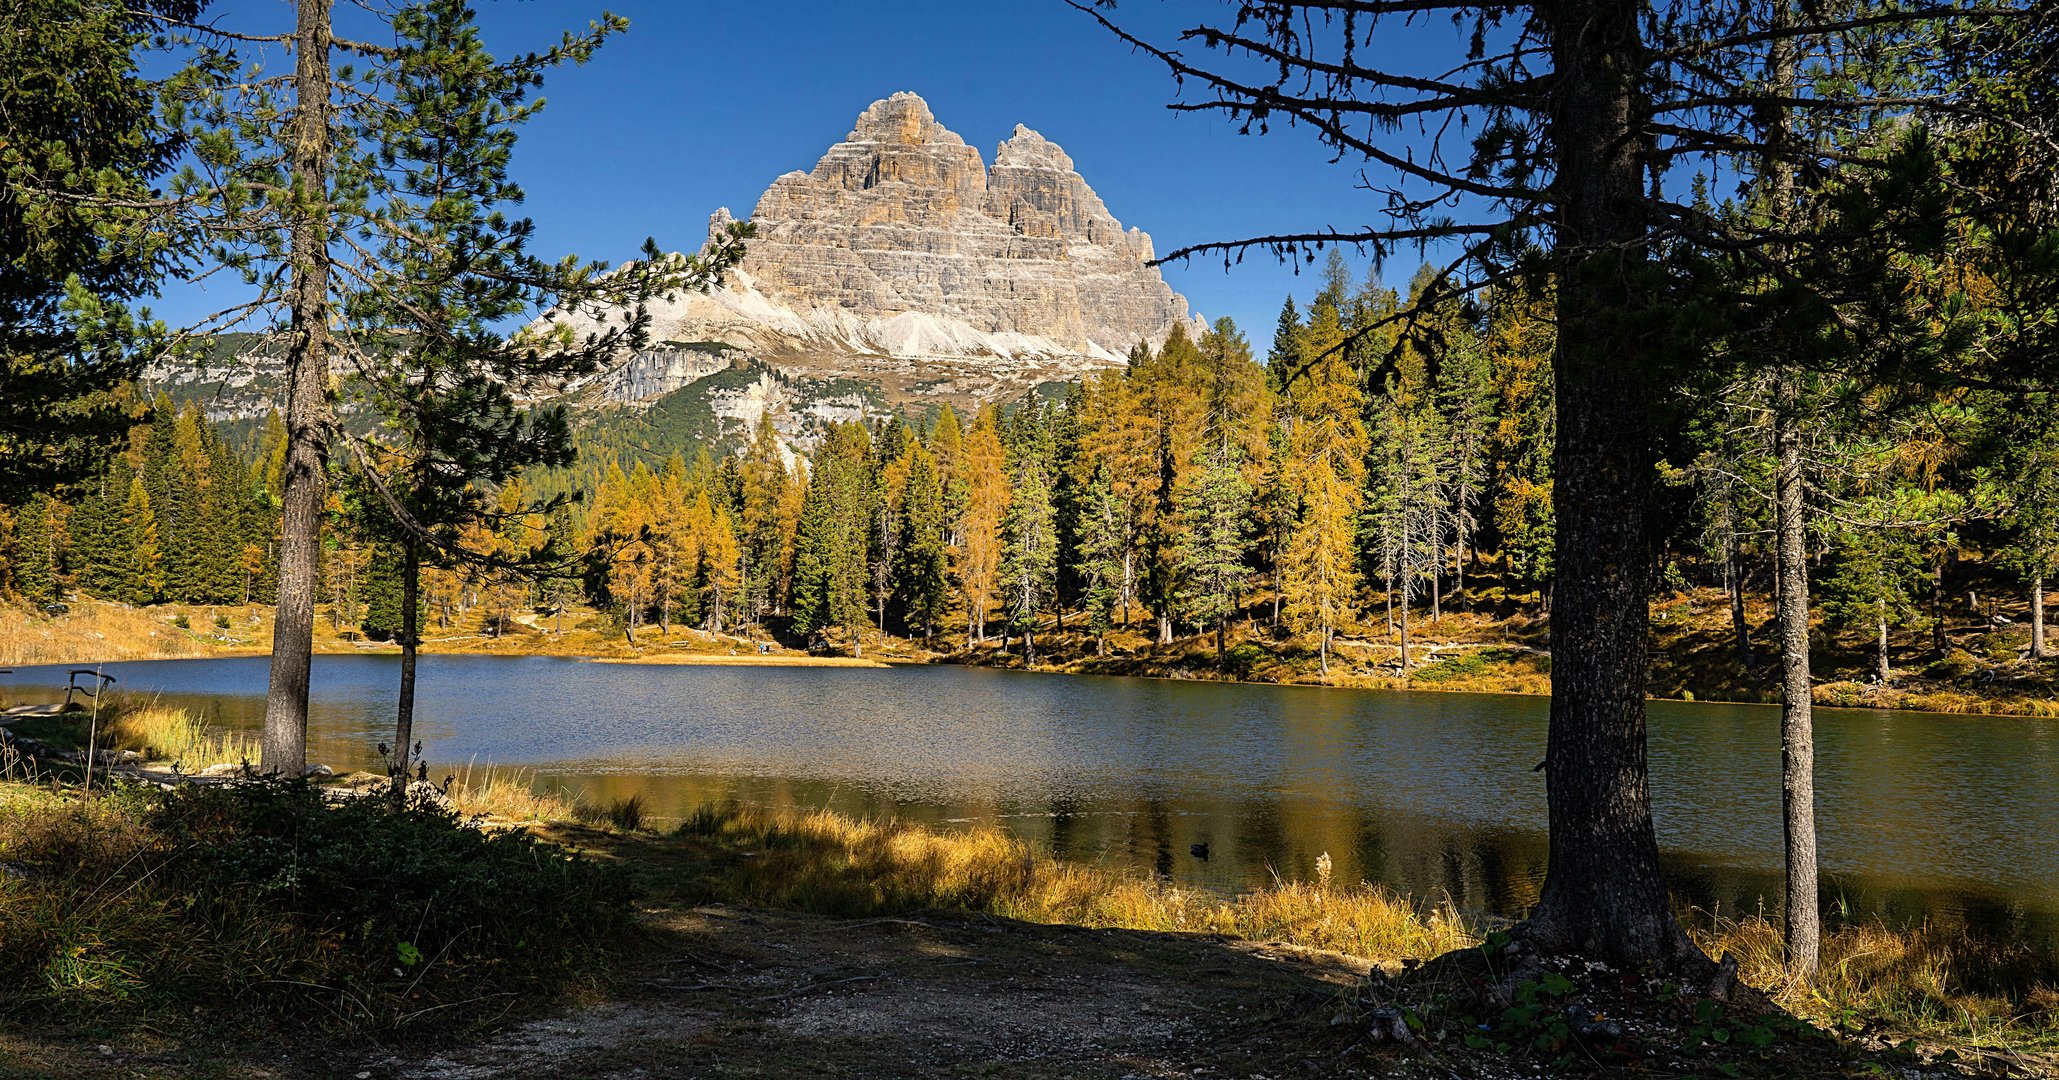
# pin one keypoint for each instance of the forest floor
(1982, 668)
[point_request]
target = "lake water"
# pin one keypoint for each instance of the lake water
(1921, 816)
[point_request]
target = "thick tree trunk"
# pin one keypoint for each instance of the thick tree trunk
(2037, 617)
(1882, 670)
(1603, 895)
(1797, 724)
(410, 642)
(284, 748)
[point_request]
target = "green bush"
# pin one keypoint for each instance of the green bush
(182, 622)
(262, 898)
(1957, 664)
(1452, 667)
(1246, 657)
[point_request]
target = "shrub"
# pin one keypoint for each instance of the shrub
(221, 622)
(182, 621)
(1956, 664)
(260, 899)
(1452, 667)
(1246, 657)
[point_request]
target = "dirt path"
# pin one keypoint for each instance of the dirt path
(737, 993)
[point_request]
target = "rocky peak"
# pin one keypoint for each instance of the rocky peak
(904, 217)
(902, 118)
(902, 261)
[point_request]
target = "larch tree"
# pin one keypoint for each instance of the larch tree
(1326, 471)
(983, 471)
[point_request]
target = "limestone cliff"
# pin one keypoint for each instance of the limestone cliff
(903, 260)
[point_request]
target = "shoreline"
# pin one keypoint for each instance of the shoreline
(1834, 696)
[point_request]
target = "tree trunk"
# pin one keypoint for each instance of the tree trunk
(284, 749)
(410, 640)
(2037, 617)
(1164, 628)
(1404, 634)
(1797, 734)
(1603, 895)
(1029, 647)
(1278, 585)
(1883, 671)
(1937, 607)
(1733, 583)
(1324, 651)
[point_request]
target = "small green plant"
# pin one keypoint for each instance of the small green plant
(182, 621)
(221, 622)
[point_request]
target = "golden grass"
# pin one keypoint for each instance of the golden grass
(1925, 983)
(513, 796)
(1920, 982)
(828, 862)
(162, 733)
(92, 632)
(507, 795)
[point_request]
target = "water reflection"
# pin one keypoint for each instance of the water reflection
(1952, 819)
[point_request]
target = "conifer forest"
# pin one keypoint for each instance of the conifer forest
(1601, 625)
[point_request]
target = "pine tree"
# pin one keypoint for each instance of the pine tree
(1103, 554)
(81, 143)
(1029, 561)
(1215, 512)
(40, 549)
(922, 573)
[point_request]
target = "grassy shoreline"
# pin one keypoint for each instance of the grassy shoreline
(1470, 654)
(1880, 987)
(79, 960)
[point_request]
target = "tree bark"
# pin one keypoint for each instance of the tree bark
(284, 747)
(1937, 607)
(1603, 895)
(1797, 722)
(410, 644)
(2037, 617)
(1733, 581)
(1884, 672)
(1404, 633)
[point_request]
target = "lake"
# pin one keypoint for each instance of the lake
(1921, 816)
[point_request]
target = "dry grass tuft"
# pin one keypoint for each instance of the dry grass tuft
(507, 795)
(1923, 982)
(827, 862)
(162, 733)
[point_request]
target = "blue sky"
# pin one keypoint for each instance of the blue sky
(702, 103)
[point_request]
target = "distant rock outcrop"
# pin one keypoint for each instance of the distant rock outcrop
(901, 259)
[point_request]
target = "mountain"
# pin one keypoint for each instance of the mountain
(902, 260)
(900, 273)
